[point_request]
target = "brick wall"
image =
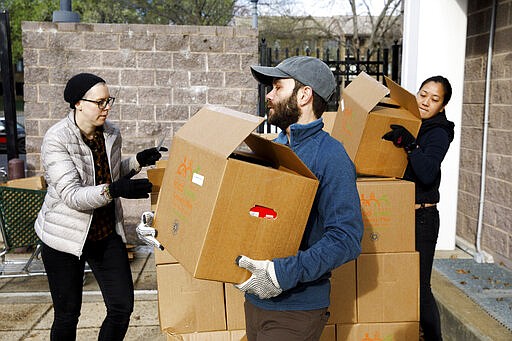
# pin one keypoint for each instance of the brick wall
(497, 223)
(160, 75)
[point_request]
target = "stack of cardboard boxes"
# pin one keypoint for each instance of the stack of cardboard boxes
(223, 197)
(386, 274)
(221, 201)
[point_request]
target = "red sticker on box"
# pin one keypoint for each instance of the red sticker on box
(263, 212)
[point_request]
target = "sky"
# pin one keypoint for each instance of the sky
(335, 7)
(325, 7)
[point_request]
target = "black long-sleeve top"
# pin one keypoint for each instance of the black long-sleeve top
(424, 167)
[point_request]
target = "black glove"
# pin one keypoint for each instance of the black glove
(130, 189)
(148, 157)
(400, 137)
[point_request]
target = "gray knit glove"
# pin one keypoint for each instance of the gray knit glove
(146, 233)
(263, 281)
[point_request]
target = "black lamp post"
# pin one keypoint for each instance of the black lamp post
(254, 13)
(65, 14)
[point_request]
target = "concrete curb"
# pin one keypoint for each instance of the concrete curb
(461, 318)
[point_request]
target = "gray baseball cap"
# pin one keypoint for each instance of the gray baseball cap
(309, 71)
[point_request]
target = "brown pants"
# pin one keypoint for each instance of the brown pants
(290, 325)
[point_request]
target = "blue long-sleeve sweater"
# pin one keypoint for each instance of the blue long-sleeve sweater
(334, 229)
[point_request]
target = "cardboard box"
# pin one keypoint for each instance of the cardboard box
(162, 163)
(401, 331)
(186, 304)
(153, 200)
(388, 287)
(234, 335)
(329, 333)
(329, 118)
(388, 212)
(163, 257)
(365, 115)
(269, 136)
(214, 198)
(155, 176)
(343, 307)
(235, 312)
(33, 182)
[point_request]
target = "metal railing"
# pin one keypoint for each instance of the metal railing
(377, 64)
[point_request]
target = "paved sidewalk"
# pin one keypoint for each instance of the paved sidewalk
(26, 311)
(461, 317)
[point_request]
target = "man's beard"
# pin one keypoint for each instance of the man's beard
(285, 112)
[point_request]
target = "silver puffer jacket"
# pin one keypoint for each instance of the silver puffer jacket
(72, 195)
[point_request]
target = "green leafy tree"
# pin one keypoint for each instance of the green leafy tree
(177, 12)
(107, 11)
(26, 10)
(186, 12)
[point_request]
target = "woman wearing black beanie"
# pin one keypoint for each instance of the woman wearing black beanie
(81, 219)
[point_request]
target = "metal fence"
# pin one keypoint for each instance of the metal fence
(344, 69)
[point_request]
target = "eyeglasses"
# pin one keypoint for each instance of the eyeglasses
(102, 103)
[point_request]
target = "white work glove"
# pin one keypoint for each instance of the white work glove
(146, 233)
(263, 281)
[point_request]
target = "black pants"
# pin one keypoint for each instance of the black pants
(427, 229)
(108, 260)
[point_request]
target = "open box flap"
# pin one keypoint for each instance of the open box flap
(366, 91)
(389, 102)
(219, 129)
(279, 154)
(403, 97)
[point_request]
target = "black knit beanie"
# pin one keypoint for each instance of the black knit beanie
(78, 85)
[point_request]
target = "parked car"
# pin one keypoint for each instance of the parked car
(3, 137)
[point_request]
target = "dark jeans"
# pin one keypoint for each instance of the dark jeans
(108, 260)
(427, 229)
(269, 325)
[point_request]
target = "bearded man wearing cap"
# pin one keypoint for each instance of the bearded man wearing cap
(288, 298)
(81, 219)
